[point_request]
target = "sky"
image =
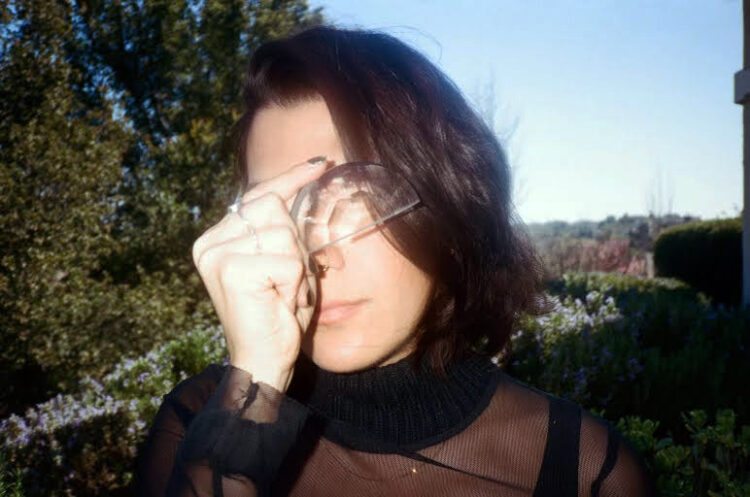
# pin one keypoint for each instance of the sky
(606, 107)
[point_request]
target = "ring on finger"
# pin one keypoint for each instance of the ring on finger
(234, 207)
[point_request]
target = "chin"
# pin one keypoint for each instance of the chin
(338, 358)
(332, 354)
(349, 353)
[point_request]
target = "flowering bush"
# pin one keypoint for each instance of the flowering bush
(618, 345)
(615, 255)
(582, 351)
(622, 345)
(85, 444)
(629, 345)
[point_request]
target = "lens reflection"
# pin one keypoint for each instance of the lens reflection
(348, 202)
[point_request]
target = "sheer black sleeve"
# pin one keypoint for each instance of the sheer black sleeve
(628, 475)
(609, 465)
(226, 439)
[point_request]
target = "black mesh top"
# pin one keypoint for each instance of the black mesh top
(388, 431)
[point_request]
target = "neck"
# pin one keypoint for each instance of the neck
(402, 403)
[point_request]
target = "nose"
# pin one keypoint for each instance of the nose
(325, 259)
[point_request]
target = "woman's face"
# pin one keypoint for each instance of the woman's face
(368, 307)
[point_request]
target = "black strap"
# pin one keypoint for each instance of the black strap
(559, 473)
(613, 444)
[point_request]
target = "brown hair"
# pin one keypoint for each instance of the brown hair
(392, 106)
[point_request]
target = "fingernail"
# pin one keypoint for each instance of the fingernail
(317, 160)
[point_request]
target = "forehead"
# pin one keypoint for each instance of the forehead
(281, 137)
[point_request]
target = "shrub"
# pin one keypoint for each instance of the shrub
(10, 479)
(705, 254)
(616, 255)
(581, 351)
(716, 462)
(620, 346)
(630, 345)
(85, 443)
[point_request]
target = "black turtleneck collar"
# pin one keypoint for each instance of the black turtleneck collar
(395, 405)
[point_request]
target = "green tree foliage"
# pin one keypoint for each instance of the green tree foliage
(115, 118)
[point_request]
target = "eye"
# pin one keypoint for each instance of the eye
(349, 215)
(315, 233)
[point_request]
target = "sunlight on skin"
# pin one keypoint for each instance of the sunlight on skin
(390, 291)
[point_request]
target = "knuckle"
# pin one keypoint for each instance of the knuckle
(262, 198)
(196, 251)
(204, 261)
(274, 201)
(261, 207)
(200, 248)
(286, 239)
(253, 193)
(202, 242)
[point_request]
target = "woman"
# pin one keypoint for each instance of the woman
(360, 322)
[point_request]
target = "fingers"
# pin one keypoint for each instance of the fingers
(288, 183)
(267, 210)
(267, 203)
(257, 248)
(242, 274)
(278, 241)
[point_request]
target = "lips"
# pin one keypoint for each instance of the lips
(336, 311)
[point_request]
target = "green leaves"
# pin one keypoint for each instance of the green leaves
(115, 127)
(716, 463)
(85, 443)
(620, 345)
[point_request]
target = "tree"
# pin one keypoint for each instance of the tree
(114, 118)
(486, 104)
(659, 201)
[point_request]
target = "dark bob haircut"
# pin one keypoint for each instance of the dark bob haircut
(392, 106)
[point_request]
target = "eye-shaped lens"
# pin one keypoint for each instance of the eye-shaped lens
(350, 214)
(348, 202)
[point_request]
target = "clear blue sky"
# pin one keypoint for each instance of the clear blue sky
(608, 95)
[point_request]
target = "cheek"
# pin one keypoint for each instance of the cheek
(398, 287)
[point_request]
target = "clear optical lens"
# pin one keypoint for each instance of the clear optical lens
(346, 203)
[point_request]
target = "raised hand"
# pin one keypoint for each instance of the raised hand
(254, 267)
